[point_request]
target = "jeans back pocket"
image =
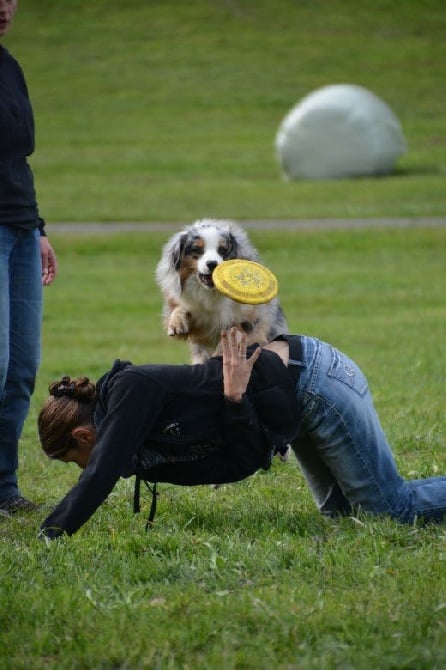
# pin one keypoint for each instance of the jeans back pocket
(346, 371)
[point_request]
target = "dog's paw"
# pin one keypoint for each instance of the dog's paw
(178, 324)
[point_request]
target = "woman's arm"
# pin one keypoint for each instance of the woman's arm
(132, 408)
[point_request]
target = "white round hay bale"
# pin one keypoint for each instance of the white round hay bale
(339, 131)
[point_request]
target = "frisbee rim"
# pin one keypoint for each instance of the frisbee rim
(223, 282)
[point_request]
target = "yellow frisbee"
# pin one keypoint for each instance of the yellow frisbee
(245, 281)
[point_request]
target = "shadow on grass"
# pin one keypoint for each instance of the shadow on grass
(417, 171)
(254, 522)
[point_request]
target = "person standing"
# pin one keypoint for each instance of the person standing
(27, 262)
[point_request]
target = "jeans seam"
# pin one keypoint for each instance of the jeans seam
(353, 442)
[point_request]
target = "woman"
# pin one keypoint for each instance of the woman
(27, 261)
(222, 421)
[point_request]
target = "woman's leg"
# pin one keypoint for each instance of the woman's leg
(323, 485)
(341, 440)
(20, 343)
(5, 246)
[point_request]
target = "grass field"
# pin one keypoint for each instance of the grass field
(167, 110)
(248, 576)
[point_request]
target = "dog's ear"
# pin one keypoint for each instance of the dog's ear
(240, 244)
(233, 247)
(176, 251)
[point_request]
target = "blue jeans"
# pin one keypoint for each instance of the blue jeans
(342, 449)
(20, 325)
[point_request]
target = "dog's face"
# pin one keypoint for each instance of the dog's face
(201, 249)
(191, 255)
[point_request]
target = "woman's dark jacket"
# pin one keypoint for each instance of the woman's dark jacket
(170, 423)
(18, 205)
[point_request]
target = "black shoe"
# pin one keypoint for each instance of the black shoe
(18, 503)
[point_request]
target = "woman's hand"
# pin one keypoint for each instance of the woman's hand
(49, 261)
(236, 367)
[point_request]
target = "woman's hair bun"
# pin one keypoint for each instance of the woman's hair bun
(79, 388)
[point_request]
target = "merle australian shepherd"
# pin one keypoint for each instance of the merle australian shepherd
(193, 308)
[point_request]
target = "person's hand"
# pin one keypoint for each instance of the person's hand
(236, 367)
(49, 261)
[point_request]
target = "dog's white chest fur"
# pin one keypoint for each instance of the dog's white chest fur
(210, 309)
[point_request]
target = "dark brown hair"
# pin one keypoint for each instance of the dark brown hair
(71, 404)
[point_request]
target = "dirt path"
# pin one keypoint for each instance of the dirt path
(301, 224)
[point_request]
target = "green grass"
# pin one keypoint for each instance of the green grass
(248, 576)
(168, 110)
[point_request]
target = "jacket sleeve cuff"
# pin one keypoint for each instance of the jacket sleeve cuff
(49, 533)
(239, 411)
(239, 408)
(41, 227)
